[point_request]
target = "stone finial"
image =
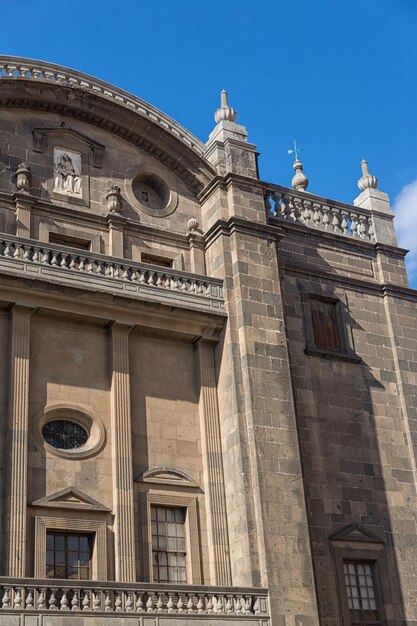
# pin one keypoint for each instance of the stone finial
(225, 113)
(367, 181)
(23, 177)
(193, 225)
(299, 180)
(113, 199)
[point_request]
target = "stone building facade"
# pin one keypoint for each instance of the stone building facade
(209, 381)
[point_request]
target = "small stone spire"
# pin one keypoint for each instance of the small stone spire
(367, 181)
(225, 113)
(299, 180)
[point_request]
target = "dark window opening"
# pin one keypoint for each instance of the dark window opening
(361, 593)
(68, 556)
(326, 326)
(144, 196)
(70, 242)
(168, 544)
(156, 260)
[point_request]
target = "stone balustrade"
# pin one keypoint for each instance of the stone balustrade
(34, 259)
(17, 67)
(17, 595)
(316, 212)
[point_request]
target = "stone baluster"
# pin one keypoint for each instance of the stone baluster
(75, 602)
(139, 602)
(354, 224)
(371, 231)
(64, 260)
(296, 210)
(158, 282)
(190, 603)
(107, 601)
(125, 272)
(36, 254)
(41, 603)
(160, 603)
(170, 603)
(108, 271)
(326, 217)
(45, 256)
(276, 196)
(96, 600)
(248, 605)
(238, 607)
(26, 253)
(17, 598)
(268, 206)
(142, 277)
(180, 604)
(52, 598)
(336, 220)
(5, 601)
(149, 604)
(307, 212)
(129, 601)
(229, 604)
(316, 214)
(134, 275)
(286, 207)
(86, 600)
(116, 270)
(54, 259)
(210, 603)
(168, 278)
(219, 604)
(64, 600)
(200, 603)
(81, 264)
(29, 601)
(257, 606)
(99, 267)
(151, 280)
(90, 265)
(345, 224)
(118, 601)
(363, 227)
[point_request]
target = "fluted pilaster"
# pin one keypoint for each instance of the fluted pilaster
(125, 565)
(219, 557)
(18, 441)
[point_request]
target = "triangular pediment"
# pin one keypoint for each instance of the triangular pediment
(356, 532)
(70, 498)
(168, 476)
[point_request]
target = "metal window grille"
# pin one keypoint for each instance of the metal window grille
(168, 544)
(361, 593)
(68, 556)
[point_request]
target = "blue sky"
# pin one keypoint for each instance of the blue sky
(337, 75)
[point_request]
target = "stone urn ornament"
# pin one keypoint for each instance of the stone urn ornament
(23, 177)
(113, 198)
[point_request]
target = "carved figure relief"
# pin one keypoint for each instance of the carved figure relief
(67, 172)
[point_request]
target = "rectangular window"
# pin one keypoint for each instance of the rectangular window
(156, 260)
(68, 556)
(168, 544)
(326, 327)
(70, 242)
(361, 593)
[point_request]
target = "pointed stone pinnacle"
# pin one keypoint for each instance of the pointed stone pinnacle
(225, 113)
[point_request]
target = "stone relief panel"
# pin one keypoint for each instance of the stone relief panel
(67, 172)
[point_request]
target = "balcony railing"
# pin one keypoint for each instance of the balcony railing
(39, 596)
(316, 212)
(27, 258)
(19, 68)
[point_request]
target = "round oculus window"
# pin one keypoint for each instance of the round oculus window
(64, 434)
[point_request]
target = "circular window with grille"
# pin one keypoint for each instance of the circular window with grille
(69, 432)
(64, 434)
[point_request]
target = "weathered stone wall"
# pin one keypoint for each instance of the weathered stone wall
(353, 428)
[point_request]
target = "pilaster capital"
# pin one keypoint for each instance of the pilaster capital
(117, 328)
(19, 310)
(23, 200)
(117, 221)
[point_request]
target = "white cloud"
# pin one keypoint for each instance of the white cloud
(405, 209)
